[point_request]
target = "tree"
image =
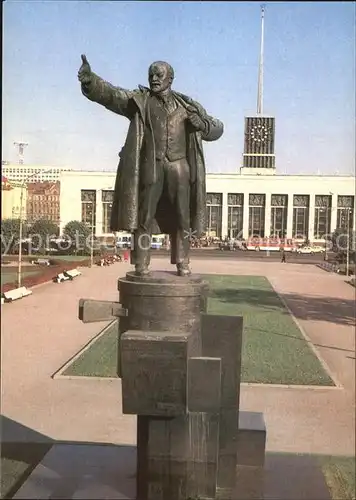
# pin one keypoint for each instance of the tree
(79, 234)
(343, 243)
(41, 232)
(10, 234)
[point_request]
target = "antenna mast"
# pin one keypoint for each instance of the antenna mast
(21, 146)
(260, 69)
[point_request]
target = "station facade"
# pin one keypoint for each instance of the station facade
(303, 207)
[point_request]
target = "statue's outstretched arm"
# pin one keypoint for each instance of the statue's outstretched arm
(98, 90)
(113, 98)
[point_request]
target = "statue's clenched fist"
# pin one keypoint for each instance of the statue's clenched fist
(196, 121)
(84, 73)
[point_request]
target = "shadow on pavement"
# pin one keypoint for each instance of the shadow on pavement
(305, 307)
(294, 477)
(76, 469)
(302, 339)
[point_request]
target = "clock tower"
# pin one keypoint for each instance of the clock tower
(258, 156)
(259, 144)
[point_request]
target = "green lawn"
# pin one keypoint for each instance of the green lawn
(100, 360)
(339, 473)
(274, 350)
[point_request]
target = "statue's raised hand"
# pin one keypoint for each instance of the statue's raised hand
(84, 73)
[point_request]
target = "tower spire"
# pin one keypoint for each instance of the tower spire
(260, 69)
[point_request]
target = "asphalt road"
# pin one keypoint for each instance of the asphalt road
(251, 255)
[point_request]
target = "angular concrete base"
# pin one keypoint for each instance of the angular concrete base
(249, 483)
(83, 471)
(95, 471)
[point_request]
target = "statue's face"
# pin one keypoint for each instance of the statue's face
(159, 78)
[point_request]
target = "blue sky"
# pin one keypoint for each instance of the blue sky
(214, 49)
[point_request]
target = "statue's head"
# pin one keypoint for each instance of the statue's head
(160, 76)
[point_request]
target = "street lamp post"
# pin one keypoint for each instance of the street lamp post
(328, 212)
(326, 235)
(348, 243)
(19, 267)
(92, 237)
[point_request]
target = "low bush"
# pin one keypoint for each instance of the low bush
(69, 262)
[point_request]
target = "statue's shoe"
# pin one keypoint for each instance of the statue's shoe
(142, 270)
(183, 270)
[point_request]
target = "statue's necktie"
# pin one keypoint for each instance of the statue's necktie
(169, 105)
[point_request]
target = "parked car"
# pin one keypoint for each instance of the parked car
(318, 249)
(309, 249)
(305, 250)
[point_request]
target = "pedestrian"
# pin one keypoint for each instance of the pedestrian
(283, 257)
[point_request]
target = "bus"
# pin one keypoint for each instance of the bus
(157, 241)
(124, 240)
(271, 244)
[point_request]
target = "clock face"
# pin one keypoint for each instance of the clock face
(259, 134)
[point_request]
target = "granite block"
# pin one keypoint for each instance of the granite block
(154, 372)
(251, 441)
(204, 384)
(226, 477)
(178, 454)
(222, 338)
(249, 483)
(228, 431)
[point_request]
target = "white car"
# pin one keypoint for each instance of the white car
(306, 250)
(318, 249)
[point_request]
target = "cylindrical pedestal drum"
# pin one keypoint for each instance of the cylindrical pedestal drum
(162, 301)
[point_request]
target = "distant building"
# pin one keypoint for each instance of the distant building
(43, 201)
(11, 204)
(35, 173)
(238, 205)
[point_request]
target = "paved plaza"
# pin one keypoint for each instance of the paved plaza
(42, 332)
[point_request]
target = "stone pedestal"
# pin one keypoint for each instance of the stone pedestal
(160, 333)
(180, 369)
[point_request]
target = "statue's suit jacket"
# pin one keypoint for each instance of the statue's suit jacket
(132, 105)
